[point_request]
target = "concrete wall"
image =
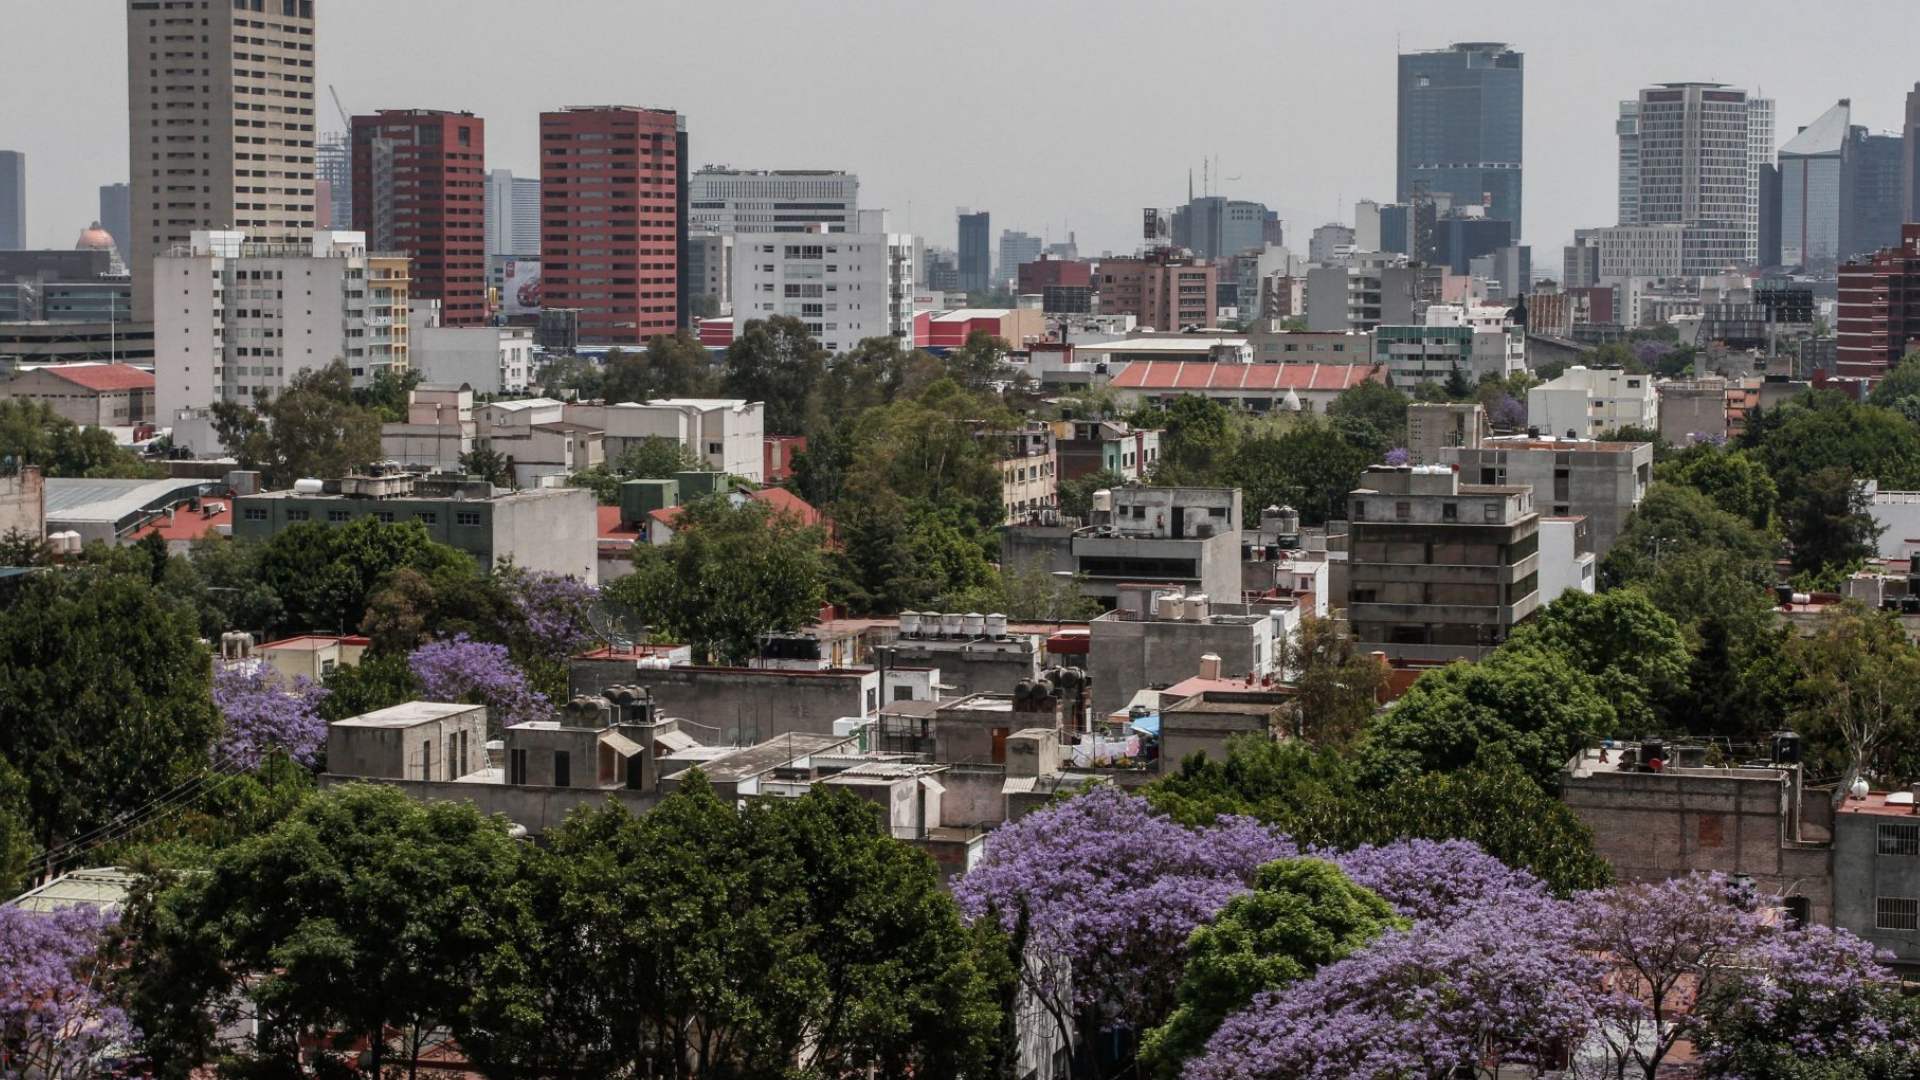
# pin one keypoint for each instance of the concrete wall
(1653, 826)
(736, 705)
(537, 808)
(1861, 875)
(1126, 656)
(1206, 728)
(395, 752)
(551, 529)
(23, 503)
(974, 667)
(974, 797)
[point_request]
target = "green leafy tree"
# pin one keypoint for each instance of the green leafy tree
(1635, 653)
(311, 429)
(1522, 708)
(775, 361)
(1076, 495)
(1027, 592)
(1733, 480)
(16, 830)
(366, 914)
(19, 548)
(1300, 915)
(1858, 691)
(1336, 684)
(1305, 463)
(1830, 522)
(672, 365)
(894, 555)
(105, 698)
(324, 576)
(1379, 405)
(656, 459)
(1673, 521)
(379, 681)
(730, 575)
(1899, 390)
(979, 364)
(31, 433)
(1319, 797)
(486, 463)
(1823, 429)
(388, 393)
(792, 938)
(1199, 440)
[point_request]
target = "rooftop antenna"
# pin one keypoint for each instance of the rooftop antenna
(1189, 184)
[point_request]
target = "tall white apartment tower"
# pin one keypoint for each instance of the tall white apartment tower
(241, 318)
(220, 128)
(512, 215)
(845, 286)
(1697, 169)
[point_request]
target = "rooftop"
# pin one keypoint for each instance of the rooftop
(770, 755)
(102, 378)
(105, 886)
(1879, 803)
(85, 499)
(310, 642)
(406, 715)
(189, 525)
(1194, 375)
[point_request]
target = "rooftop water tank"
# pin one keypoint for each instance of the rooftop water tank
(909, 624)
(950, 623)
(996, 625)
(973, 624)
(1103, 499)
(1196, 608)
(1170, 605)
(309, 486)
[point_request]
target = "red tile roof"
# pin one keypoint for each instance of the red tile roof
(782, 501)
(610, 527)
(1277, 378)
(103, 377)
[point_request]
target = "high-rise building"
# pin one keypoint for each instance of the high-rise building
(333, 180)
(1161, 289)
(611, 219)
(513, 215)
(419, 189)
(201, 78)
(976, 256)
(1459, 128)
(709, 258)
(1327, 241)
(13, 200)
(115, 214)
(238, 330)
(844, 287)
(1016, 249)
(737, 201)
(1839, 191)
(1627, 130)
(1910, 158)
(1879, 309)
(1700, 167)
(1216, 227)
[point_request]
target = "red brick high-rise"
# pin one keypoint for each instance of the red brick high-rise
(612, 207)
(419, 187)
(1879, 310)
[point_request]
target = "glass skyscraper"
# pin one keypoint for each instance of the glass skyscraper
(1459, 135)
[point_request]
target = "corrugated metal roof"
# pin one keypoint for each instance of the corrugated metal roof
(81, 499)
(104, 886)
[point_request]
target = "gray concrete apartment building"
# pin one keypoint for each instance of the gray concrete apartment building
(1438, 569)
(418, 740)
(1155, 637)
(550, 529)
(1601, 481)
(1876, 871)
(1188, 537)
(738, 705)
(1434, 426)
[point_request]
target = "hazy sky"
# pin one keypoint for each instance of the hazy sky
(1054, 116)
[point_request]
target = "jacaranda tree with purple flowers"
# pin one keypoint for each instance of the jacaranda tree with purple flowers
(56, 1020)
(553, 608)
(459, 669)
(263, 712)
(1110, 892)
(1501, 985)
(1438, 882)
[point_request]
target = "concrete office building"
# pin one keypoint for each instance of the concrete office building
(976, 259)
(1438, 569)
(1701, 148)
(1161, 290)
(1460, 126)
(1640, 251)
(13, 200)
(1341, 298)
(1910, 158)
(1189, 537)
(844, 286)
(1600, 481)
(512, 215)
(550, 529)
(1016, 248)
(492, 360)
(1216, 227)
(1839, 191)
(1627, 130)
(243, 317)
(1436, 426)
(1583, 402)
(419, 190)
(116, 209)
(1475, 340)
(735, 201)
(597, 165)
(220, 133)
(1328, 241)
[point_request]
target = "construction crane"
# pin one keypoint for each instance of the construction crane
(346, 122)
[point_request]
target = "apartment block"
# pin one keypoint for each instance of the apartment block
(612, 215)
(1187, 537)
(1435, 426)
(1584, 402)
(1879, 309)
(845, 287)
(220, 133)
(1599, 481)
(242, 317)
(1475, 340)
(1162, 291)
(1439, 569)
(419, 188)
(729, 434)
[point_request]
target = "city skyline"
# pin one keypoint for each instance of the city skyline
(1275, 139)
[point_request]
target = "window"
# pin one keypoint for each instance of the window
(428, 517)
(516, 766)
(426, 759)
(469, 518)
(385, 517)
(1359, 510)
(562, 769)
(1449, 511)
(338, 516)
(1493, 512)
(1402, 511)
(1896, 913)
(903, 693)
(255, 513)
(1900, 839)
(298, 515)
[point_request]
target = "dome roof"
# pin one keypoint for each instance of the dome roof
(94, 238)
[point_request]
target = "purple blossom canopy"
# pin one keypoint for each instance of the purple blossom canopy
(1438, 881)
(555, 609)
(460, 669)
(264, 712)
(55, 1019)
(1399, 455)
(1112, 891)
(1507, 412)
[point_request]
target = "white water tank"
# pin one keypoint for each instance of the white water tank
(950, 624)
(309, 486)
(1103, 499)
(1169, 605)
(973, 624)
(996, 625)
(909, 624)
(1196, 607)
